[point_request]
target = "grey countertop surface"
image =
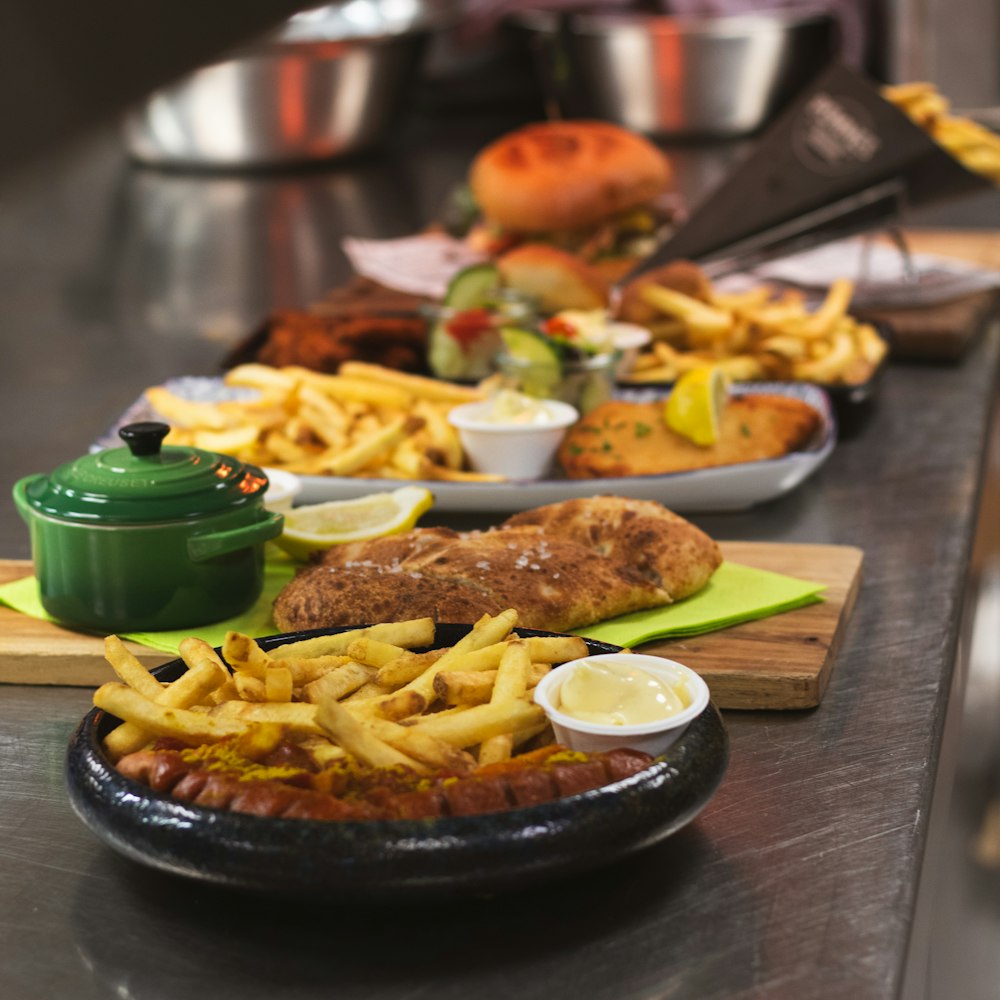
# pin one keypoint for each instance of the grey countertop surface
(801, 877)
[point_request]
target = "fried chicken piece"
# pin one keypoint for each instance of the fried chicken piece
(322, 343)
(619, 438)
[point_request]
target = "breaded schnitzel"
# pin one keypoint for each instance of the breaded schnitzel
(658, 543)
(574, 564)
(621, 438)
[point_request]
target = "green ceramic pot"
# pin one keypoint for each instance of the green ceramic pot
(147, 537)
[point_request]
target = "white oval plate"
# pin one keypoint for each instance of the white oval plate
(726, 488)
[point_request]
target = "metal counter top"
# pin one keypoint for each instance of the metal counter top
(801, 877)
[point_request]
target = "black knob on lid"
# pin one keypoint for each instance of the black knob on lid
(144, 437)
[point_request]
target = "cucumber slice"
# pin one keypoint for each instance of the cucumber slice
(531, 347)
(536, 361)
(445, 356)
(472, 287)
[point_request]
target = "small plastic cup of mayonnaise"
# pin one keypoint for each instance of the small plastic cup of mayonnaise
(614, 700)
(512, 435)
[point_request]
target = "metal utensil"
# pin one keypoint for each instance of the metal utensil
(864, 210)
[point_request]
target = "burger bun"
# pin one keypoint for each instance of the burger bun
(566, 175)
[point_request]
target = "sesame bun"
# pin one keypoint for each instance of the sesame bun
(564, 175)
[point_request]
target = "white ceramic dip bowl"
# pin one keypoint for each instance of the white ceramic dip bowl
(651, 737)
(514, 448)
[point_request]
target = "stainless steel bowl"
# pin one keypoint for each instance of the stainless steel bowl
(665, 76)
(331, 82)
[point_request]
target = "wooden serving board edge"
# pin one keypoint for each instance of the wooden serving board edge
(783, 661)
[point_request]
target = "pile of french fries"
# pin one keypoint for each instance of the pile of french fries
(759, 334)
(365, 693)
(972, 144)
(366, 421)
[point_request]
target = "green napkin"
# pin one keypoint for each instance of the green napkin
(735, 594)
(22, 595)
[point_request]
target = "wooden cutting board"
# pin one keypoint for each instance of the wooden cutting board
(779, 662)
(783, 661)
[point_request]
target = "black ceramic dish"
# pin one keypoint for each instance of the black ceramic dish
(448, 857)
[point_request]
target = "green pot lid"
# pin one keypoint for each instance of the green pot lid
(146, 482)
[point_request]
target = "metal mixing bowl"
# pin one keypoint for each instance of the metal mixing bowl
(329, 83)
(661, 75)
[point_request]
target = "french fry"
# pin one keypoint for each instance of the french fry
(193, 650)
(370, 689)
(232, 440)
(129, 669)
(298, 717)
(279, 381)
(464, 687)
(337, 683)
(422, 746)
(359, 390)
(407, 634)
(419, 385)
(189, 689)
(358, 739)
(364, 421)
(189, 727)
(511, 685)
(374, 652)
(187, 413)
(406, 667)
(766, 334)
(485, 632)
(250, 688)
(829, 314)
(278, 684)
(372, 446)
(400, 704)
(699, 317)
(742, 368)
(471, 726)
(786, 345)
(244, 655)
(442, 437)
(976, 147)
(828, 367)
(305, 669)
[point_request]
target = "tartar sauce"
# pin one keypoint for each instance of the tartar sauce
(618, 694)
(512, 407)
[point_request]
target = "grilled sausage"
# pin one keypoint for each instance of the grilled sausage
(532, 779)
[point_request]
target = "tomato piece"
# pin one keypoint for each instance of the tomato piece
(556, 326)
(469, 325)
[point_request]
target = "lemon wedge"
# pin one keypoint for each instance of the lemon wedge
(314, 527)
(694, 408)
